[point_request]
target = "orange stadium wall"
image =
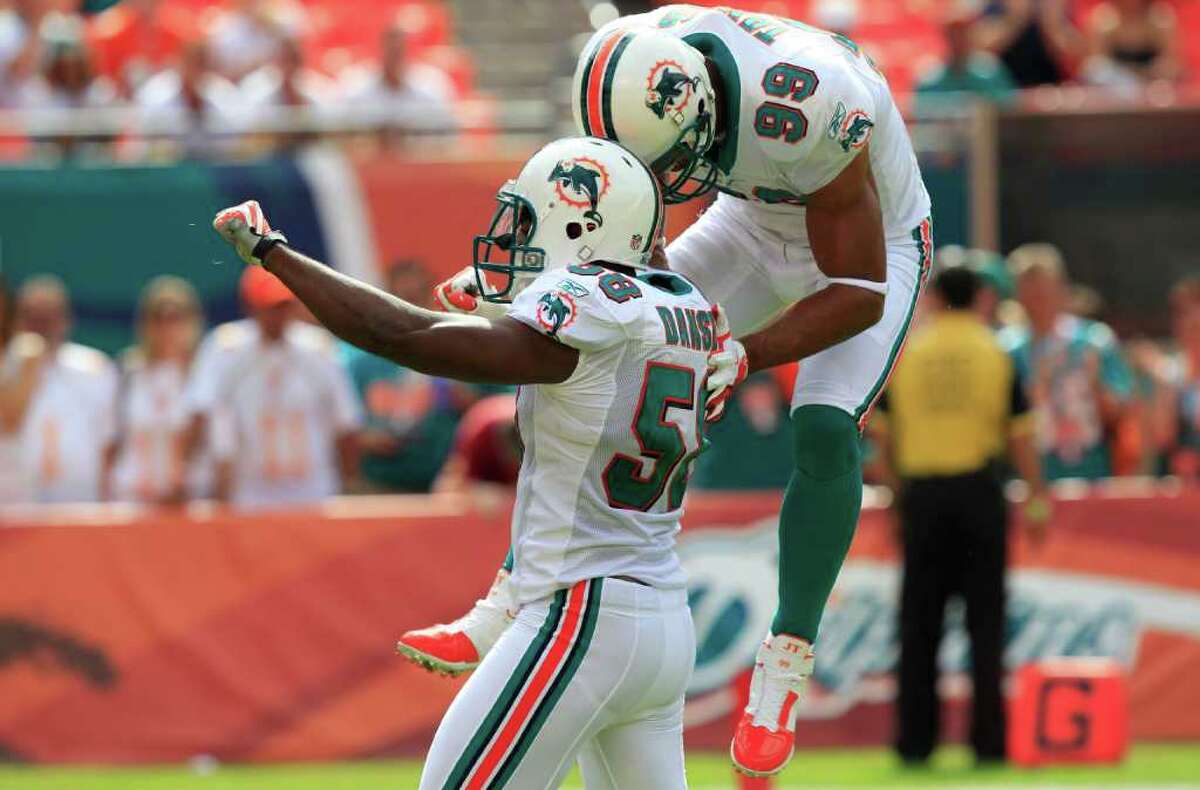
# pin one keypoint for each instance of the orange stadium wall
(153, 637)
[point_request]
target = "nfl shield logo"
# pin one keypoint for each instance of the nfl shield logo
(635, 242)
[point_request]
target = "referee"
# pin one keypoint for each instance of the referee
(952, 406)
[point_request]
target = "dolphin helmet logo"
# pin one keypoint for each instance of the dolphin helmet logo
(668, 88)
(581, 183)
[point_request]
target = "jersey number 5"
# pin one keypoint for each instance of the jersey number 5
(637, 483)
(775, 120)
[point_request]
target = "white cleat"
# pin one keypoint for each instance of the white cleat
(458, 647)
(764, 740)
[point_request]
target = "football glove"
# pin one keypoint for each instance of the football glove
(460, 294)
(727, 367)
(245, 226)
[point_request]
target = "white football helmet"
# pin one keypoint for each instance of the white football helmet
(579, 199)
(652, 93)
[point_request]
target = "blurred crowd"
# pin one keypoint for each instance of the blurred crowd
(217, 80)
(272, 411)
(993, 48)
(268, 411)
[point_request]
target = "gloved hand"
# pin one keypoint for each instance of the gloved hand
(727, 367)
(460, 294)
(245, 226)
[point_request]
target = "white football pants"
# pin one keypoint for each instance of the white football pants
(595, 673)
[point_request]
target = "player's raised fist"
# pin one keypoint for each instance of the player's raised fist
(245, 226)
(460, 294)
(727, 367)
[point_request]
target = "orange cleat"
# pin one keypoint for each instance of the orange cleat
(764, 739)
(458, 647)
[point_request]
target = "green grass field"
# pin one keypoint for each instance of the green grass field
(1156, 766)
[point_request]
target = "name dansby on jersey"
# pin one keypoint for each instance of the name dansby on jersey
(802, 103)
(607, 452)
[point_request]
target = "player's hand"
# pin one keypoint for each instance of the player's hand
(460, 294)
(727, 367)
(245, 226)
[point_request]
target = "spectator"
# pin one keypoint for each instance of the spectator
(955, 381)
(487, 446)
(278, 90)
(967, 72)
(20, 46)
(284, 423)
(250, 35)
(411, 418)
(66, 81)
(397, 92)
(67, 78)
(1035, 39)
(151, 414)
(137, 39)
(1131, 42)
(751, 447)
(1181, 434)
(22, 357)
(220, 347)
(1071, 368)
(69, 426)
(191, 101)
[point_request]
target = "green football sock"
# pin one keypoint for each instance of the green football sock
(508, 560)
(820, 512)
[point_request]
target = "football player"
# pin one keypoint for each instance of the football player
(613, 353)
(817, 247)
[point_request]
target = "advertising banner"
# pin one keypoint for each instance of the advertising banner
(156, 637)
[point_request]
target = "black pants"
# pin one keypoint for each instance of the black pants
(954, 543)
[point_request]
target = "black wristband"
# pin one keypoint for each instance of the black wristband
(267, 243)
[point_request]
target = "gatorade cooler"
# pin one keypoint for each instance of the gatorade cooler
(1069, 711)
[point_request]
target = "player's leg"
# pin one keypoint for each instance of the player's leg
(497, 731)
(834, 393)
(643, 753)
(642, 746)
(730, 265)
(459, 646)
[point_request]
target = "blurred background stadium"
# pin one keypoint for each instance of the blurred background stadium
(212, 528)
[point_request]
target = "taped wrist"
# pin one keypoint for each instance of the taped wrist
(267, 243)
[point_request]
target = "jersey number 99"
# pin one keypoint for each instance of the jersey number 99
(777, 121)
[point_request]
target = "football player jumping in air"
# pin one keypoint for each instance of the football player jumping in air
(817, 247)
(614, 350)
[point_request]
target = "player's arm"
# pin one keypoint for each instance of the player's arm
(463, 347)
(845, 230)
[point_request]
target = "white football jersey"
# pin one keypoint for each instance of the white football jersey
(278, 411)
(803, 102)
(607, 452)
(150, 415)
(70, 423)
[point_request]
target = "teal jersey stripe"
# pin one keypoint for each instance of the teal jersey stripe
(924, 253)
(477, 746)
(610, 131)
(579, 650)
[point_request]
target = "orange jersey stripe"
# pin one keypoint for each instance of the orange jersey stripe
(551, 663)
